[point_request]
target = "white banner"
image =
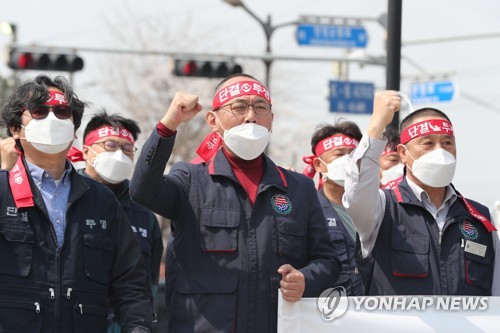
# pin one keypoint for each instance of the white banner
(388, 314)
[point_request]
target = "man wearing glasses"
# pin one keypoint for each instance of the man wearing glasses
(242, 228)
(108, 152)
(67, 251)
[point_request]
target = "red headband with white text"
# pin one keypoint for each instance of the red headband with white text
(56, 98)
(331, 142)
(241, 88)
(426, 127)
(106, 131)
(335, 141)
(390, 149)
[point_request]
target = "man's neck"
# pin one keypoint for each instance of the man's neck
(55, 166)
(436, 194)
(333, 192)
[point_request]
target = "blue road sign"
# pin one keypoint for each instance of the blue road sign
(331, 35)
(432, 92)
(351, 97)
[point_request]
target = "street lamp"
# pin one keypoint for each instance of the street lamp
(268, 31)
(7, 28)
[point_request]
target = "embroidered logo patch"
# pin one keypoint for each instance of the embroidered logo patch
(468, 230)
(281, 204)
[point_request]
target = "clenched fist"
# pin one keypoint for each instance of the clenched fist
(182, 109)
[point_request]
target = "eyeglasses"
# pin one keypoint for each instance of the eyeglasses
(42, 111)
(127, 148)
(241, 108)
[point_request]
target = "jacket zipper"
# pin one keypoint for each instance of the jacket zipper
(57, 290)
(25, 304)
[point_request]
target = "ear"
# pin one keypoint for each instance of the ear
(211, 120)
(15, 132)
(86, 151)
(402, 153)
(318, 165)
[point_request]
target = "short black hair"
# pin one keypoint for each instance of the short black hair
(325, 130)
(392, 135)
(37, 92)
(427, 111)
(101, 118)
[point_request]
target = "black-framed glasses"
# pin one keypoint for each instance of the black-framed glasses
(241, 108)
(42, 111)
(109, 145)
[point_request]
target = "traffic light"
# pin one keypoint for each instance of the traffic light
(28, 59)
(197, 68)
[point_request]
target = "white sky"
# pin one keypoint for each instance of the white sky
(300, 88)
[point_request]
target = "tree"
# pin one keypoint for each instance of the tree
(5, 91)
(144, 86)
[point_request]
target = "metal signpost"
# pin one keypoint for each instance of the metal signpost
(351, 97)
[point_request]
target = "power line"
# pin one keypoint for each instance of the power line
(451, 39)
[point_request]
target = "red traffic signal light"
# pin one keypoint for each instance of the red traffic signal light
(210, 69)
(26, 59)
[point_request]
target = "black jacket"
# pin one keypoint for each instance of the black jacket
(145, 227)
(345, 248)
(222, 260)
(46, 289)
(412, 256)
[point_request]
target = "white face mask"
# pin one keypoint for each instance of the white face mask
(336, 170)
(247, 141)
(393, 173)
(50, 135)
(112, 166)
(435, 169)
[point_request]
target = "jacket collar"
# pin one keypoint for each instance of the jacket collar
(404, 194)
(120, 190)
(78, 186)
(323, 200)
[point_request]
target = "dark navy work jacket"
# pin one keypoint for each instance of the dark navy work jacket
(48, 289)
(412, 257)
(345, 248)
(223, 257)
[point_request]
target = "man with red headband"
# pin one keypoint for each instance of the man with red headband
(108, 152)
(67, 251)
(423, 236)
(330, 145)
(391, 168)
(242, 228)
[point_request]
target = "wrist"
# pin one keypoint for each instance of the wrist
(170, 124)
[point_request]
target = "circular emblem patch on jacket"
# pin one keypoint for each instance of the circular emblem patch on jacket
(468, 230)
(281, 204)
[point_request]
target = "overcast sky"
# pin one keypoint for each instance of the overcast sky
(300, 89)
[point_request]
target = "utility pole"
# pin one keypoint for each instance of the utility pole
(393, 66)
(269, 29)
